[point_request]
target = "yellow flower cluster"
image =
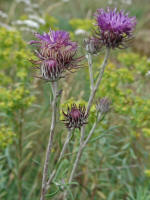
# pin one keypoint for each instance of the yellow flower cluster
(12, 100)
(6, 136)
(125, 85)
(147, 172)
(14, 57)
(15, 90)
(84, 24)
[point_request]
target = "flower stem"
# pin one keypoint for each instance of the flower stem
(61, 155)
(98, 81)
(92, 129)
(75, 163)
(77, 157)
(82, 143)
(90, 70)
(49, 147)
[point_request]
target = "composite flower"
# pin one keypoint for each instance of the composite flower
(115, 28)
(75, 117)
(56, 53)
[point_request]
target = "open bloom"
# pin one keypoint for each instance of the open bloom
(75, 116)
(56, 53)
(55, 40)
(115, 27)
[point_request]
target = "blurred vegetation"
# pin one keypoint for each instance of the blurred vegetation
(115, 164)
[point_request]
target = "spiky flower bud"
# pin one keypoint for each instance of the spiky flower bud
(92, 45)
(103, 105)
(56, 53)
(114, 28)
(75, 116)
(51, 70)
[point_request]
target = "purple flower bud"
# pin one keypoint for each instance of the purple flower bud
(103, 105)
(93, 45)
(56, 53)
(75, 116)
(51, 70)
(115, 28)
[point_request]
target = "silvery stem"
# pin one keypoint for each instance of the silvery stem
(82, 145)
(89, 57)
(77, 158)
(49, 147)
(92, 129)
(92, 95)
(75, 164)
(61, 155)
(98, 80)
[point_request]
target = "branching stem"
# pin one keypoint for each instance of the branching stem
(91, 98)
(61, 156)
(98, 82)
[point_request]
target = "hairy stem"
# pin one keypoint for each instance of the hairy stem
(92, 129)
(75, 163)
(90, 70)
(61, 155)
(77, 157)
(98, 81)
(92, 95)
(49, 147)
(65, 144)
(82, 145)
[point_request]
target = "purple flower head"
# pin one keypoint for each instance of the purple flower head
(75, 116)
(56, 53)
(55, 40)
(115, 27)
(50, 69)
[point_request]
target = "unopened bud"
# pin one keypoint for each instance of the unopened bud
(92, 45)
(103, 105)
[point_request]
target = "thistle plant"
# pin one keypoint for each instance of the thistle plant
(56, 55)
(115, 28)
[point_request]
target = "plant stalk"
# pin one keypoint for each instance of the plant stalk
(49, 147)
(61, 155)
(90, 70)
(91, 98)
(98, 82)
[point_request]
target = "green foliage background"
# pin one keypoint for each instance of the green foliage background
(115, 164)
